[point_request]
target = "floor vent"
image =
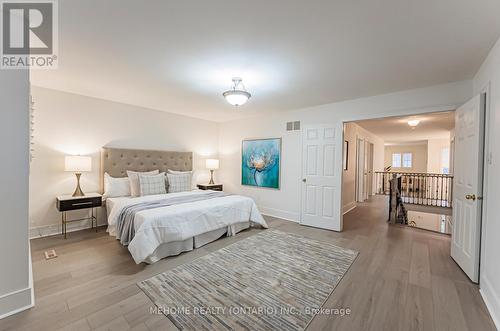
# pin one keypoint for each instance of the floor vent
(51, 254)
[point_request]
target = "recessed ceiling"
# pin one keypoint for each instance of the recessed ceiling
(395, 130)
(179, 56)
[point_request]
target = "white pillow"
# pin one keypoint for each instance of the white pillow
(178, 172)
(150, 185)
(179, 182)
(133, 176)
(116, 187)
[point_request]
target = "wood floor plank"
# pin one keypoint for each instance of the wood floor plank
(402, 279)
(420, 270)
(448, 314)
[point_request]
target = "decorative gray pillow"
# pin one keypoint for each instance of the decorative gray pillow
(150, 185)
(179, 182)
(133, 177)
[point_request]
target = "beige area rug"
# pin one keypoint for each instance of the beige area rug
(270, 281)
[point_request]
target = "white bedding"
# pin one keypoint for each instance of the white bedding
(180, 222)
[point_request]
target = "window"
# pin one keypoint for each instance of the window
(396, 160)
(402, 160)
(445, 161)
(407, 160)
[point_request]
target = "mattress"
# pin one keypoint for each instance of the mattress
(171, 230)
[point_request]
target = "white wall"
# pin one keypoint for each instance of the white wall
(489, 74)
(286, 201)
(419, 157)
(352, 131)
(15, 285)
(73, 124)
(434, 154)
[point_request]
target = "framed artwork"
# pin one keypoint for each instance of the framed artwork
(260, 162)
(346, 155)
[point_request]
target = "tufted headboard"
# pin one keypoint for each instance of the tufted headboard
(116, 161)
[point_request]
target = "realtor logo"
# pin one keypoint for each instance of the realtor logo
(29, 34)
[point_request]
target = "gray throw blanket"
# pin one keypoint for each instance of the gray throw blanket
(125, 225)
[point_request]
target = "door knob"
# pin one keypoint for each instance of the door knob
(471, 197)
(304, 180)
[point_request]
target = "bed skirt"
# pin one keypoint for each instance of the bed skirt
(178, 247)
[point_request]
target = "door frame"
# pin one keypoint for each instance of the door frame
(371, 151)
(439, 109)
(385, 115)
(486, 93)
(360, 161)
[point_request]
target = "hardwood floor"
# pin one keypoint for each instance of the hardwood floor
(403, 279)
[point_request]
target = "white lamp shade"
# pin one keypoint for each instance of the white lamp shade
(212, 164)
(77, 163)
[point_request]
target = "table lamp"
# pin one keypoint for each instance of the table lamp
(212, 164)
(78, 164)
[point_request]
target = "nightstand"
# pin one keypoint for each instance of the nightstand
(67, 203)
(213, 187)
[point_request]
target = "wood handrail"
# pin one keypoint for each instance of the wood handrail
(423, 174)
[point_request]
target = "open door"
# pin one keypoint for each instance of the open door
(370, 170)
(467, 186)
(321, 185)
(360, 170)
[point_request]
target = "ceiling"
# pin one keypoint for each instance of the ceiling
(395, 130)
(179, 56)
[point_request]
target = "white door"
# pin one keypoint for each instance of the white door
(370, 169)
(320, 182)
(365, 171)
(467, 186)
(360, 170)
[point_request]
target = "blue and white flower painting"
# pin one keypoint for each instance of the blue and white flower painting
(260, 162)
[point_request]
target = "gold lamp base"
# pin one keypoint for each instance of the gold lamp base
(211, 178)
(78, 191)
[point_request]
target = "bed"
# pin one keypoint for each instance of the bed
(173, 229)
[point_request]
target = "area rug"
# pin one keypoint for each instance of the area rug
(270, 281)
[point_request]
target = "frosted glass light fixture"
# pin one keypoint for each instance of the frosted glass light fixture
(238, 94)
(413, 123)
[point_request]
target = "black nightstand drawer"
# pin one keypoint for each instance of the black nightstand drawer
(79, 203)
(215, 187)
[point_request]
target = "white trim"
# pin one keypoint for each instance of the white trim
(487, 151)
(55, 229)
(491, 300)
(20, 291)
(30, 274)
(10, 313)
(402, 112)
(286, 215)
(393, 113)
(19, 309)
(350, 206)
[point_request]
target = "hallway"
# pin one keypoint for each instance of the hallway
(403, 279)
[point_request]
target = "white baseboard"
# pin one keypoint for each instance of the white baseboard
(30, 280)
(283, 214)
(15, 302)
(54, 229)
(348, 207)
(19, 300)
(491, 299)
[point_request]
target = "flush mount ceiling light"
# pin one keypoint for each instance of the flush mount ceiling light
(413, 123)
(238, 94)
